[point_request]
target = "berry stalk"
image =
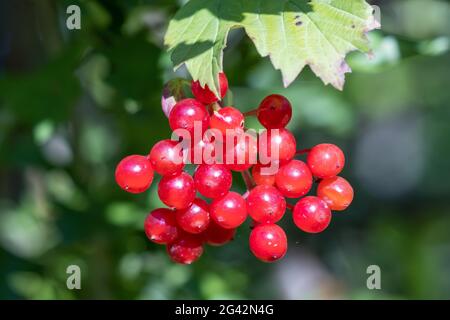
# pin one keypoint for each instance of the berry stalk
(302, 151)
(248, 180)
(251, 113)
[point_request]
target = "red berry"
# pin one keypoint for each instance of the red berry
(311, 214)
(177, 191)
(274, 112)
(229, 211)
(166, 157)
(195, 218)
(201, 151)
(186, 113)
(161, 226)
(277, 145)
(134, 174)
(242, 153)
(262, 179)
(268, 242)
(186, 249)
(325, 160)
(215, 235)
(213, 181)
(336, 192)
(294, 179)
(265, 204)
(227, 118)
(205, 95)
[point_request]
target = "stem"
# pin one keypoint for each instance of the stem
(215, 106)
(248, 180)
(303, 151)
(290, 206)
(251, 113)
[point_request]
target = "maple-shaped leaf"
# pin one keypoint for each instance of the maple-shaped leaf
(293, 33)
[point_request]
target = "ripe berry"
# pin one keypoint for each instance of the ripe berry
(325, 160)
(177, 191)
(242, 153)
(213, 181)
(265, 204)
(262, 179)
(294, 179)
(229, 211)
(336, 192)
(311, 214)
(195, 218)
(185, 249)
(227, 118)
(201, 151)
(268, 242)
(166, 157)
(186, 113)
(161, 226)
(215, 235)
(190, 222)
(277, 145)
(274, 112)
(205, 95)
(134, 174)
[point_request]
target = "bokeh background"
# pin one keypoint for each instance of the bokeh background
(73, 103)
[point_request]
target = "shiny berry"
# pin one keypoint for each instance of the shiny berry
(294, 179)
(277, 145)
(227, 118)
(274, 112)
(177, 191)
(265, 204)
(185, 249)
(268, 242)
(166, 157)
(186, 114)
(205, 95)
(325, 160)
(161, 226)
(213, 181)
(134, 174)
(215, 235)
(201, 151)
(311, 214)
(242, 153)
(229, 211)
(336, 192)
(195, 218)
(260, 178)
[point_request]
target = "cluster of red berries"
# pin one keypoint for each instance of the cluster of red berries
(190, 221)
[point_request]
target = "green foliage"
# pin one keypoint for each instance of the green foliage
(293, 33)
(72, 104)
(44, 85)
(134, 71)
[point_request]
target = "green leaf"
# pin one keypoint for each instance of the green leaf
(293, 33)
(44, 85)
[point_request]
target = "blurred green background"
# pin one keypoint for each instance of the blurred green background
(73, 103)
